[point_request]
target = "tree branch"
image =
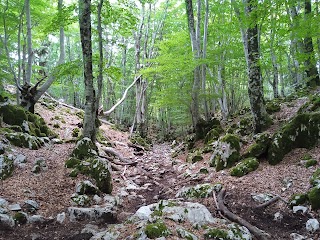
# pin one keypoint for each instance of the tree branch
(123, 97)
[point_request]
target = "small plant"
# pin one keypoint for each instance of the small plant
(75, 132)
(156, 230)
(244, 167)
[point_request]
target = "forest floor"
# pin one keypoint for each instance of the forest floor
(53, 188)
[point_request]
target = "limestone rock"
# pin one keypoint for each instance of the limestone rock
(312, 225)
(84, 149)
(244, 167)
(186, 234)
(61, 217)
(20, 160)
(31, 205)
(96, 213)
(86, 187)
(194, 157)
(6, 221)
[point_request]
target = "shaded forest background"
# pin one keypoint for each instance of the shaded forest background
(188, 60)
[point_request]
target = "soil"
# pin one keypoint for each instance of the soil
(163, 175)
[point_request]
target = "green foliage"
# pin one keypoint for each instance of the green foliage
(297, 199)
(156, 230)
(215, 233)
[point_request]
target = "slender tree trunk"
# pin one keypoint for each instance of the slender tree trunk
(89, 125)
(204, 56)
(310, 62)
(101, 62)
(29, 42)
(195, 43)
(275, 81)
(62, 55)
(255, 85)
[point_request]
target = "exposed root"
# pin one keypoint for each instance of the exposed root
(258, 233)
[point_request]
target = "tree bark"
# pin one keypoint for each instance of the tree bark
(89, 125)
(101, 62)
(62, 55)
(195, 43)
(310, 63)
(29, 42)
(255, 85)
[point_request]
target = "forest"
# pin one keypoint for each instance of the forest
(144, 108)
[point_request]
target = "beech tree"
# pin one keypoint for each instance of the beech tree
(255, 85)
(89, 124)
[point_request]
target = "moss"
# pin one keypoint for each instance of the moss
(310, 163)
(74, 173)
(75, 132)
(203, 170)
(272, 107)
(6, 167)
(315, 178)
(194, 157)
(226, 153)
(301, 132)
(211, 136)
(72, 162)
(85, 148)
(156, 230)
(258, 148)
(215, 233)
(16, 128)
(80, 114)
(80, 200)
(244, 167)
(137, 139)
(297, 199)
(20, 218)
(56, 125)
(24, 140)
(13, 115)
(314, 197)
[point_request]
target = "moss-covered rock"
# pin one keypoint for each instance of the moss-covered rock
(80, 200)
(244, 167)
(194, 157)
(303, 131)
(20, 218)
(226, 153)
(215, 233)
(137, 139)
(298, 199)
(312, 105)
(98, 170)
(156, 230)
(203, 127)
(211, 136)
(260, 146)
(199, 191)
(314, 197)
(245, 125)
(310, 163)
(25, 140)
(13, 115)
(6, 167)
(72, 162)
(85, 148)
(272, 107)
(315, 178)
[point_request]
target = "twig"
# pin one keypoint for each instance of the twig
(272, 200)
(260, 234)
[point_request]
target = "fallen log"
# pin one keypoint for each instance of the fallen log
(258, 233)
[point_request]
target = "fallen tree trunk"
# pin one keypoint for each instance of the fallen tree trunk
(260, 234)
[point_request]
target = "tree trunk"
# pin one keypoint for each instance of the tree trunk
(101, 63)
(255, 85)
(29, 42)
(204, 56)
(310, 63)
(195, 43)
(62, 43)
(89, 125)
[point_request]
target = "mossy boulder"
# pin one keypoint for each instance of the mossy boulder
(99, 170)
(27, 121)
(6, 167)
(80, 200)
(314, 197)
(137, 139)
(226, 153)
(310, 163)
(211, 136)
(194, 157)
(301, 132)
(260, 146)
(215, 233)
(272, 107)
(21, 218)
(25, 140)
(245, 125)
(156, 230)
(244, 167)
(85, 148)
(312, 105)
(298, 199)
(72, 162)
(190, 141)
(203, 127)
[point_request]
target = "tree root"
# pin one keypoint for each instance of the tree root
(260, 234)
(271, 201)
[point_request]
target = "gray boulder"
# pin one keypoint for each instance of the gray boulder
(96, 213)
(6, 221)
(6, 167)
(86, 187)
